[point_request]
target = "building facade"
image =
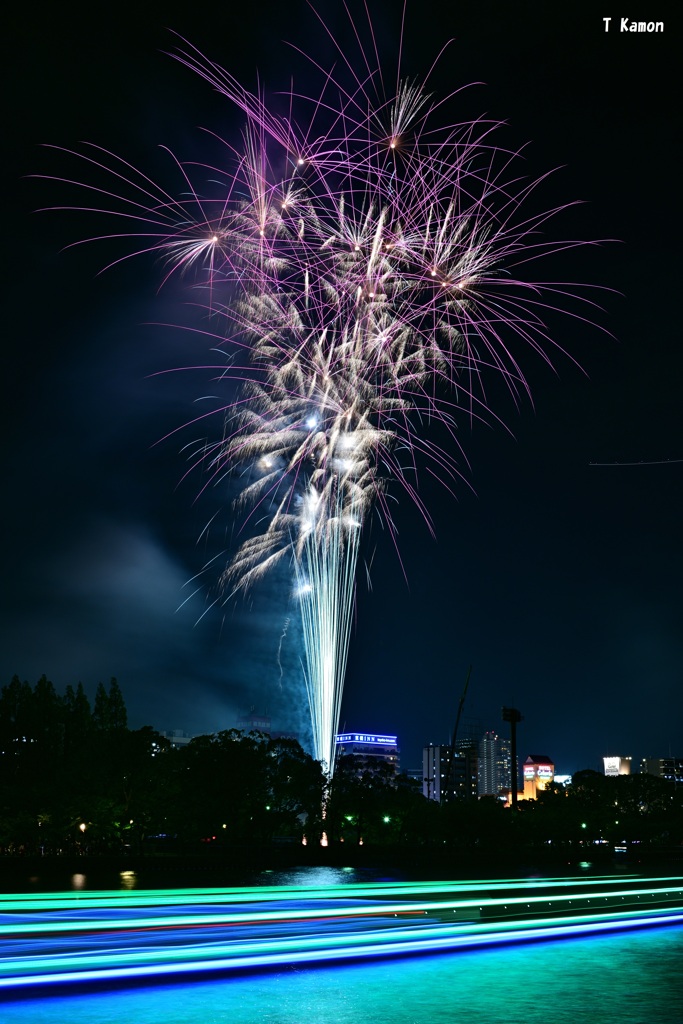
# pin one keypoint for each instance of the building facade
(436, 761)
(364, 745)
(493, 766)
(448, 773)
(254, 722)
(617, 765)
(539, 772)
(664, 767)
(177, 737)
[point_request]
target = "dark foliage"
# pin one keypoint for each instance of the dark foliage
(76, 779)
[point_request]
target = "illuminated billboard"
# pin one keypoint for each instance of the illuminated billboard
(617, 765)
(366, 737)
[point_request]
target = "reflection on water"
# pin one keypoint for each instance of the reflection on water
(166, 875)
(629, 979)
(305, 875)
(316, 877)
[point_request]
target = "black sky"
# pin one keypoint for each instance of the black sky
(557, 579)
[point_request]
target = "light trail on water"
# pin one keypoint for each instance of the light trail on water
(61, 940)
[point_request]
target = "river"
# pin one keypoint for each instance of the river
(628, 978)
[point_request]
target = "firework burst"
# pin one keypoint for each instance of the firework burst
(366, 265)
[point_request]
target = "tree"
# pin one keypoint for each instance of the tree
(295, 790)
(109, 712)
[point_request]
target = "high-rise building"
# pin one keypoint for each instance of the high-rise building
(435, 770)
(663, 767)
(493, 766)
(467, 755)
(539, 771)
(448, 773)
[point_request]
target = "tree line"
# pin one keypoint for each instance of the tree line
(74, 778)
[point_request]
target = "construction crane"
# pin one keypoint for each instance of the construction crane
(460, 707)
(449, 772)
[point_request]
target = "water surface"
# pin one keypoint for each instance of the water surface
(626, 979)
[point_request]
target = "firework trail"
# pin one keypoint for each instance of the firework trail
(283, 634)
(365, 265)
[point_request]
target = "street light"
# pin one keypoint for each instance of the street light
(513, 716)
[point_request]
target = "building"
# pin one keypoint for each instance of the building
(177, 737)
(465, 767)
(539, 772)
(493, 765)
(253, 722)
(448, 773)
(670, 768)
(415, 775)
(363, 745)
(435, 769)
(617, 765)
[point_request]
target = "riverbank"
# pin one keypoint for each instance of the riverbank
(244, 864)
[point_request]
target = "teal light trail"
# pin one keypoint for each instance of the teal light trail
(73, 939)
(254, 894)
(306, 913)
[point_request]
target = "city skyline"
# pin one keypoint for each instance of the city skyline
(554, 572)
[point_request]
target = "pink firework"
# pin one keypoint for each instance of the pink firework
(365, 262)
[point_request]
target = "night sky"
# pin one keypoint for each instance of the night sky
(557, 579)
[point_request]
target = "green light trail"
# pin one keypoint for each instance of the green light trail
(297, 914)
(252, 894)
(73, 938)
